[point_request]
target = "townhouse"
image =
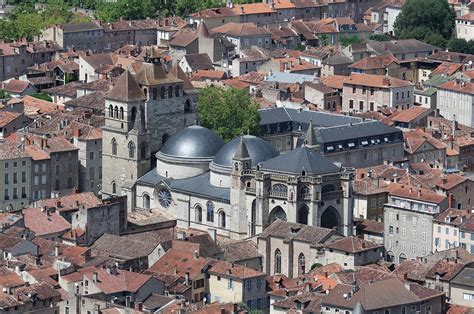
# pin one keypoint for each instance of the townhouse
(455, 101)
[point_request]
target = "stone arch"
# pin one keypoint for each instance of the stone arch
(221, 217)
(134, 114)
(116, 112)
(198, 213)
(146, 201)
(131, 150)
(390, 257)
(114, 146)
(154, 93)
(111, 111)
(303, 213)
(277, 262)
(121, 113)
(114, 188)
(253, 218)
(177, 91)
(301, 264)
(277, 213)
(163, 92)
(401, 258)
(210, 211)
(187, 105)
(330, 218)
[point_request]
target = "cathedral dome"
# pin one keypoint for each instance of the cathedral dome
(258, 149)
(193, 142)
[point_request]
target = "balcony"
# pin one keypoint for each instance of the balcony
(304, 197)
(332, 195)
(250, 190)
(276, 194)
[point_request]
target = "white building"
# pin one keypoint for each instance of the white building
(455, 100)
(465, 27)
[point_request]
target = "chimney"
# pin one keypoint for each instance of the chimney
(58, 203)
(242, 9)
(196, 254)
(213, 234)
(175, 269)
(94, 276)
(181, 235)
(139, 306)
(407, 286)
(56, 250)
(386, 81)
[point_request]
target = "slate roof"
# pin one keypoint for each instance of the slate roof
(199, 61)
(123, 247)
(126, 89)
(319, 119)
(357, 130)
(404, 46)
(301, 159)
(465, 277)
(200, 185)
(240, 251)
(353, 245)
(81, 27)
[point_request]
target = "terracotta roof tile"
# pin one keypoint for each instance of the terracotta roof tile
(226, 269)
(16, 86)
(461, 87)
(240, 29)
(450, 181)
(121, 281)
(72, 202)
(353, 245)
(379, 81)
(447, 69)
(178, 262)
(44, 222)
(410, 114)
(7, 117)
(467, 17)
(412, 192)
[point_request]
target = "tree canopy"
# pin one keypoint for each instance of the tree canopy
(228, 112)
(427, 20)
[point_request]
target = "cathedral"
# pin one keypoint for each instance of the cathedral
(236, 188)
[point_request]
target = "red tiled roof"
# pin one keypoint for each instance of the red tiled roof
(467, 17)
(121, 281)
(410, 114)
(16, 86)
(447, 68)
(412, 192)
(72, 202)
(379, 81)
(7, 116)
(353, 245)
(225, 269)
(449, 181)
(461, 87)
(377, 62)
(240, 29)
(179, 262)
(44, 222)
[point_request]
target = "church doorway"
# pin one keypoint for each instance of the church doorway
(330, 218)
(303, 212)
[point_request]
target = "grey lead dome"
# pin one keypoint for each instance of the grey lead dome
(193, 142)
(259, 150)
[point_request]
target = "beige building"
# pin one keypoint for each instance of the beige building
(455, 101)
(462, 287)
(229, 283)
(446, 232)
(367, 92)
(291, 249)
(465, 27)
(352, 251)
(467, 234)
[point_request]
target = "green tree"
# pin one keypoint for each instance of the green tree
(228, 112)
(347, 41)
(459, 45)
(420, 18)
(380, 37)
(28, 25)
(56, 12)
(42, 96)
(315, 265)
(323, 40)
(435, 40)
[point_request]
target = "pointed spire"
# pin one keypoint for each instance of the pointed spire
(241, 153)
(203, 31)
(126, 89)
(310, 137)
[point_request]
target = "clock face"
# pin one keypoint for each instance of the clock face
(164, 196)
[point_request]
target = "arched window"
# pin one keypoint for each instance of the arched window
(114, 146)
(134, 114)
(114, 188)
(121, 113)
(187, 106)
(131, 150)
(143, 150)
(145, 92)
(198, 213)
(177, 91)
(301, 264)
(277, 262)
(111, 111)
(222, 219)
(162, 93)
(146, 201)
(280, 188)
(170, 91)
(210, 212)
(116, 113)
(155, 93)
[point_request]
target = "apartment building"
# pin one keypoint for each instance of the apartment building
(446, 225)
(455, 101)
(367, 92)
(408, 218)
(466, 230)
(77, 36)
(465, 27)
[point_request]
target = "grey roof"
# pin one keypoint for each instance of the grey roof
(81, 27)
(193, 142)
(289, 231)
(283, 77)
(400, 46)
(351, 131)
(123, 247)
(465, 277)
(200, 185)
(310, 136)
(199, 61)
(303, 117)
(258, 149)
(337, 59)
(151, 178)
(299, 159)
(241, 152)
(240, 251)
(156, 301)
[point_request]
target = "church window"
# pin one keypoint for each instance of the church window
(114, 146)
(145, 92)
(155, 93)
(121, 113)
(131, 150)
(170, 92)
(176, 91)
(163, 93)
(114, 188)
(111, 111)
(210, 212)
(187, 106)
(146, 201)
(222, 219)
(301, 264)
(164, 196)
(280, 188)
(198, 213)
(277, 262)
(116, 112)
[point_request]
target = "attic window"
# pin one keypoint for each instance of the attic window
(365, 143)
(386, 139)
(330, 148)
(351, 145)
(339, 146)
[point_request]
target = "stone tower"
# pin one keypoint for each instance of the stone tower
(125, 139)
(241, 165)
